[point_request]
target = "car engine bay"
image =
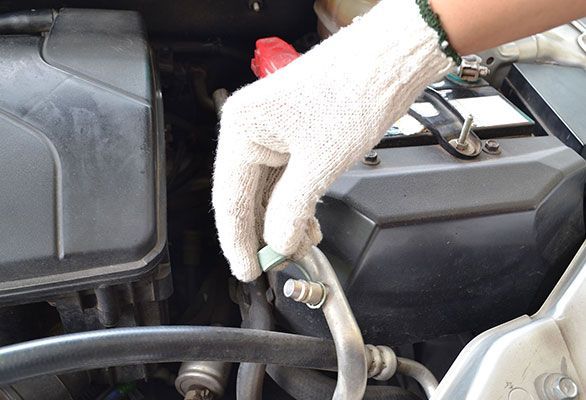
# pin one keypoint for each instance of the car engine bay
(109, 112)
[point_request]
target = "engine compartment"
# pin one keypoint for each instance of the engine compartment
(110, 125)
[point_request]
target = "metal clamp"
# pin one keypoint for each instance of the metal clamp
(471, 69)
(350, 349)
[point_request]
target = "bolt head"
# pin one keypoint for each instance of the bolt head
(371, 158)
(492, 146)
(567, 388)
(560, 387)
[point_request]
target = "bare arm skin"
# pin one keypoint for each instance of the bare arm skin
(477, 25)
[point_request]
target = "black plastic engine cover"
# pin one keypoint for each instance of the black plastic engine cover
(82, 198)
(555, 96)
(427, 244)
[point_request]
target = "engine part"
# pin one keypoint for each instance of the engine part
(313, 294)
(64, 387)
(554, 96)
(471, 69)
(563, 45)
(256, 314)
(350, 350)
(201, 376)
(127, 346)
(418, 372)
(529, 357)
(463, 243)
(381, 361)
(410, 237)
(26, 22)
(140, 345)
(79, 114)
(303, 384)
(334, 14)
(189, 19)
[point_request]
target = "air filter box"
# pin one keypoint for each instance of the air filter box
(82, 199)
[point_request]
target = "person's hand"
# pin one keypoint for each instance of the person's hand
(285, 138)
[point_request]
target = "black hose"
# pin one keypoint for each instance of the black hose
(304, 384)
(259, 316)
(161, 344)
(26, 22)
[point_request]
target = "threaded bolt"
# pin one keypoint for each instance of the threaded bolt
(462, 142)
(311, 293)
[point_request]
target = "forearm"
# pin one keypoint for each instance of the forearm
(477, 25)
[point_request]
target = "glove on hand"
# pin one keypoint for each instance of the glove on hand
(285, 138)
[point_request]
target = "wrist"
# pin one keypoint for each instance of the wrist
(433, 20)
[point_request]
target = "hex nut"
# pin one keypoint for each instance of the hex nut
(371, 158)
(491, 146)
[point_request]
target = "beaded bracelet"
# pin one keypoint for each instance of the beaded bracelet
(434, 22)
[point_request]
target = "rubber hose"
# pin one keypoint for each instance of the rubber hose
(304, 384)
(250, 378)
(33, 21)
(161, 344)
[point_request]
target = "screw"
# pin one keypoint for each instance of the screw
(311, 293)
(371, 158)
(462, 142)
(255, 5)
(560, 387)
(492, 146)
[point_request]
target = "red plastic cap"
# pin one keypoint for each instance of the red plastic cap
(271, 54)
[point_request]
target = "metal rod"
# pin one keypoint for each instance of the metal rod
(350, 349)
(463, 138)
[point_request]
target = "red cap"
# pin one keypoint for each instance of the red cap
(271, 54)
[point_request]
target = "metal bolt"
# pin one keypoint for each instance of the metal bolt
(560, 387)
(462, 142)
(471, 70)
(255, 5)
(311, 293)
(371, 158)
(492, 146)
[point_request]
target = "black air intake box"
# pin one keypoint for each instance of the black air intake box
(81, 162)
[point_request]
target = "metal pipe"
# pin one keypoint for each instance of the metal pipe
(350, 349)
(420, 373)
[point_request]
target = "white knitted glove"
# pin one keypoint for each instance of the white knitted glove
(285, 138)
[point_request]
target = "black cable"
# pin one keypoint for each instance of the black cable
(250, 378)
(161, 344)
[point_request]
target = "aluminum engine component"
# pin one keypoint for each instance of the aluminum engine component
(538, 357)
(202, 376)
(563, 45)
